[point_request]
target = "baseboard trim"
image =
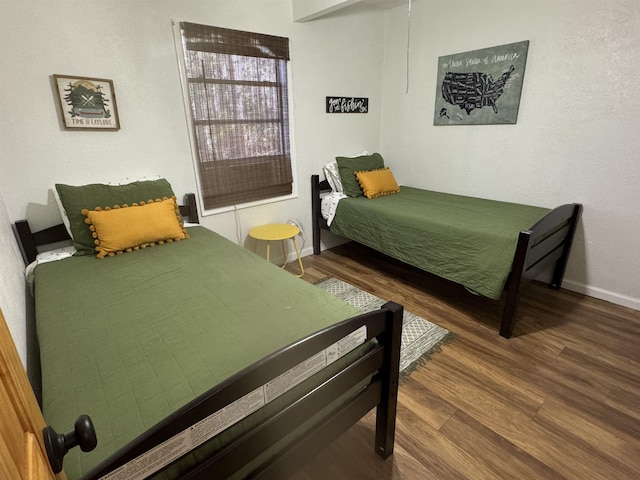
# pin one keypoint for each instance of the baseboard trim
(602, 294)
(291, 255)
(574, 286)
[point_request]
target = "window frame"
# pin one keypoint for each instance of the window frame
(184, 82)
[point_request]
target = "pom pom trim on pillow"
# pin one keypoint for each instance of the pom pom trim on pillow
(73, 199)
(124, 228)
(376, 183)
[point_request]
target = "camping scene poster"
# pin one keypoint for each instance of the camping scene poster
(87, 103)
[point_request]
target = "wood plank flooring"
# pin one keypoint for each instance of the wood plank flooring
(559, 400)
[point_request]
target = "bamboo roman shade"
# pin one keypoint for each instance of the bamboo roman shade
(237, 83)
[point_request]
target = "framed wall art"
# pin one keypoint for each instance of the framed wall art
(480, 87)
(87, 103)
(347, 105)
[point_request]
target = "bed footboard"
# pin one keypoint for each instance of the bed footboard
(380, 364)
(545, 244)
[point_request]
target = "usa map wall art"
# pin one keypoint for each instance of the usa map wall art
(480, 87)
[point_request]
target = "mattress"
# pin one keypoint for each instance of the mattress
(468, 240)
(131, 338)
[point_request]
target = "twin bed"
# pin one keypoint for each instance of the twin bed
(196, 358)
(482, 244)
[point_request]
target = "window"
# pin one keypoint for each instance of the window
(237, 88)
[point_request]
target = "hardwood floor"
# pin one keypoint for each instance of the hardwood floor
(560, 399)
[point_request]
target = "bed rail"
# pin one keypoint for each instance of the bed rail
(381, 392)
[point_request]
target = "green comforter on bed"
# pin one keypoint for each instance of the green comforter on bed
(129, 339)
(468, 240)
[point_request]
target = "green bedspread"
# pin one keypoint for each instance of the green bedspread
(468, 240)
(131, 338)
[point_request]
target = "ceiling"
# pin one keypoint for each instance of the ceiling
(306, 10)
(385, 3)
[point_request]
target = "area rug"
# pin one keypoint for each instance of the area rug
(420, 338)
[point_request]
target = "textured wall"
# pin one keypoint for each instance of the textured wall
(12, 302)
(576, 137)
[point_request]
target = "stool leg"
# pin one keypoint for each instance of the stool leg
(268, 249)
(284, 254)
(295, 245)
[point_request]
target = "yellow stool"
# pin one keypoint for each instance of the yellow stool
(278, 231)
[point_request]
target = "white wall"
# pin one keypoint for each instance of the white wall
(576, 139)
(132, 43)
(12, 289)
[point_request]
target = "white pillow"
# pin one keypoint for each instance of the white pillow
(128, 180)
(332, 174)
(63, 212)
(44, 257)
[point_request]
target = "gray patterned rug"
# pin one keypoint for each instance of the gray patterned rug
(420, 338)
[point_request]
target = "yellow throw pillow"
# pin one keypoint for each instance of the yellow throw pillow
(376, 183)
(125, 228)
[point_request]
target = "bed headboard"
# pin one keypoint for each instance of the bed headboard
(29, 241)
(317, 222)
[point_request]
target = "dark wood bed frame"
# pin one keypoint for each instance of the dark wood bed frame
(381, 392)
(380, 365)
(546, 244)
